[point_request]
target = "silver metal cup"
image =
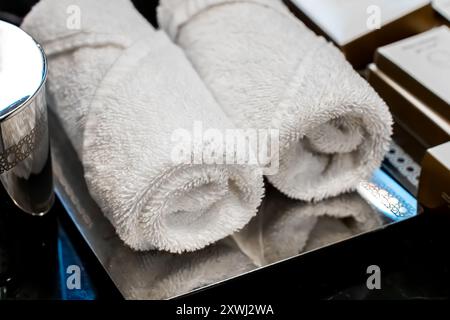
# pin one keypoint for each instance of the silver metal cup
(25, 161)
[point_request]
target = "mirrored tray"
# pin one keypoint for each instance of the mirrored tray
(161, 275)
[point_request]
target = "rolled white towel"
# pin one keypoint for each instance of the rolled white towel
(285, 228)
(121, 90)
(266, 69)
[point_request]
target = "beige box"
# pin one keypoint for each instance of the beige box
(434, 186)
(443, 8)
(419, 126)
(350, 23)
(421, 64)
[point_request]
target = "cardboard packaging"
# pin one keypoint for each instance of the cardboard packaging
(418, 127)
(434, 187)
(413, 77)
(359, 27)
(443, 8)
(421, 64)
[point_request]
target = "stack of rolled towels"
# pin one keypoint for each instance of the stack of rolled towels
(123, 90)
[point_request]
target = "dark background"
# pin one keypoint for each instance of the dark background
(14, 10)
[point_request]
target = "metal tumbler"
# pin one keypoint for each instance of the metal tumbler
(25, 161)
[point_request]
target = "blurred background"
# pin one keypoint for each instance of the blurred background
(14, 10)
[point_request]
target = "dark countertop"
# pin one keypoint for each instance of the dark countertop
(412, 256)
(36, 252)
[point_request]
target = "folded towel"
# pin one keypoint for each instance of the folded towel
(266, 69)
(285, 228)
(121, 90)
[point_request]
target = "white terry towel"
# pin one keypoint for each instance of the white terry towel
(121, 89)
(267, 69)
(285, 228)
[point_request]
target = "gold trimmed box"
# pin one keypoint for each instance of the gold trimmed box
(434, 186)
(421, 64)
(346, 23)
(420, 126)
